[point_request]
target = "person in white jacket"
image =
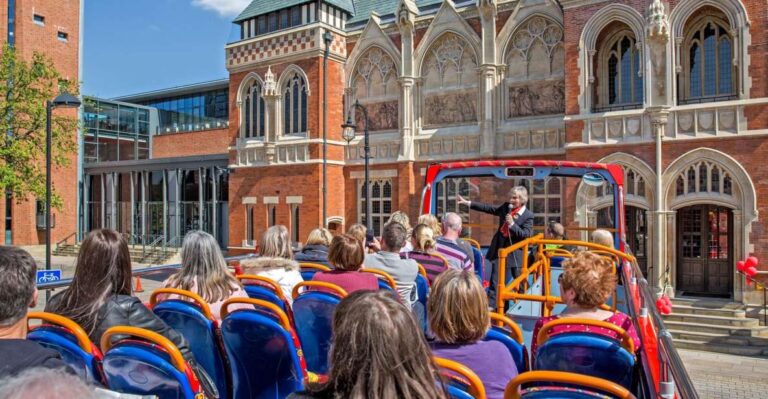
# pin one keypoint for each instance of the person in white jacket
(275, 260)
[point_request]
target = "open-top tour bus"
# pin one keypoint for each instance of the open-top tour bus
(583, 197)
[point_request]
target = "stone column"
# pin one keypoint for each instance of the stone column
(657, 34)
(271, 95)
(406, 17)
(488, 76)
(659, 117)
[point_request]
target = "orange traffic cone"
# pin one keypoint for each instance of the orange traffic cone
(138, 285)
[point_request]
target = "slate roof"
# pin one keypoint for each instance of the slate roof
(261, 7)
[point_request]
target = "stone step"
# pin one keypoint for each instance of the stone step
(687, 309)
(717, 329)
(717, 338)
(712, 320)
(720, 348)
(710, 303)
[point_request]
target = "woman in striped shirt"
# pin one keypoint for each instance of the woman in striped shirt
(424, 252)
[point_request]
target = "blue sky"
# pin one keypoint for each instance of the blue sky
(132, 46)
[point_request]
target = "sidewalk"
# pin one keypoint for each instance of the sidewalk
(718, 375)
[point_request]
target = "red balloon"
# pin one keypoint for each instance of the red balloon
(751, 261)
(666, 309)
(741, 265)
(750, 271)
(749, 283)
(667, 301)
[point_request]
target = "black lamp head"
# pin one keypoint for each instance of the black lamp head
(66, 100)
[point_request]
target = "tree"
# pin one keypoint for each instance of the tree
(25, 86)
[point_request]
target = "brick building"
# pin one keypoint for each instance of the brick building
(572, 79)
(51, 27)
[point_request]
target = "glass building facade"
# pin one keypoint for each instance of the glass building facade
(190, 112)
(115, 131)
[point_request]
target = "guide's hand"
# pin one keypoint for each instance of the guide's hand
(461, 200)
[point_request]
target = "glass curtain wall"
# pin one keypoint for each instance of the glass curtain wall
(115, 131)
(200, 111)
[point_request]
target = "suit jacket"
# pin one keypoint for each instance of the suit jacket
(519, 231)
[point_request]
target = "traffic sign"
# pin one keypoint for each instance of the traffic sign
(48, 276)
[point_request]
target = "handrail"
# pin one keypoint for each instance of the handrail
(83, 341)
(502, 321)
(382, 275)
(201, 303)
(282, 318)
(263, 282)
(512, 391)
(314, 266)
(476, 387)
(173, 351)
(626, 340)
(341, 292)
(64, 241)
(145, 271)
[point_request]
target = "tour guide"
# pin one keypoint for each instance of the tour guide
(515, 225)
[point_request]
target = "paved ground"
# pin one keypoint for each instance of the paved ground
(717, 375)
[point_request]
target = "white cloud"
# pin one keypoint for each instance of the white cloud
(225, 8)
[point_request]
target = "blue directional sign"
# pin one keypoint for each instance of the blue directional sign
(48, 276)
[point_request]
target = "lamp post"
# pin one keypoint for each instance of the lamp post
(349, 134)
(62, 100)
(327, 38)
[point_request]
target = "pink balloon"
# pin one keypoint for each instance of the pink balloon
(741, 265)
(751, 261)
(750, 271)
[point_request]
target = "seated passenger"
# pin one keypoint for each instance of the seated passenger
(403, 271)
(42, 383)
(402, 218)
(448, 245)
(346, 256)
(586, 283)
(458, 316)
(424, 252)
(602, 237)
(431, 221)
(275, 260)
(99, 296)
(17, 293)
(370, 243)
(204, 272)
(316, 249)
(378, 352)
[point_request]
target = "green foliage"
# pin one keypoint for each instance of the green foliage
(25, 86)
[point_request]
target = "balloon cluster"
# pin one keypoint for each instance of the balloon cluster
(664, 305)
(748, 266)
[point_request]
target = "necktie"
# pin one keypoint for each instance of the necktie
(504, 229)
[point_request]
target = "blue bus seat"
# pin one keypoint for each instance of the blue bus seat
(194, 321)
(71, 341)
(562, 385)
(422, 289)
(511, 336)
(266, 289)
(313, 317)
(262, 349)
(586, 353)
(479, 262)
(308, 269)
(461, 382)
(152, 366)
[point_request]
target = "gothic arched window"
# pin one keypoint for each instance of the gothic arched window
(707, 55)
(253, 111)
(295, 105)
(620, 80)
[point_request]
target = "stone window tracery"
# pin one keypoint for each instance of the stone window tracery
(381, 204)
(295, 105)
(620, 80)
(535, 70)
(253, 111)
(375, 86)
(708, 71)
(703, 177)
(450, 82)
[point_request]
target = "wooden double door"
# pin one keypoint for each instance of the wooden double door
(705, 250)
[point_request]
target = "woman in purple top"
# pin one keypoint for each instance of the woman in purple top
(458, 316)
(423, 240)
(346, 255)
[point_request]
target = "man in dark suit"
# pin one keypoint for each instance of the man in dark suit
(515, 225)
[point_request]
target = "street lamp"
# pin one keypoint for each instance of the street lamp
(349, 134)
(65, 100)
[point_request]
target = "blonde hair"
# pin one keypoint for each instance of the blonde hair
(424, 238)
(203, 267)
(602, 237)
(275, 243)
(319, 236)
(402, 218)
(358, 231)
(431, 221)
(590, 276)
(458, 307)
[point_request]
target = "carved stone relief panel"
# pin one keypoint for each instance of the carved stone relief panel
(535, 65)
(450, 82)
(381, 116)
(375, 85)
(537, 98)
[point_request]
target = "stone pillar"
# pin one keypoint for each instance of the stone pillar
(406, 17)
(660, 262)
(657, 34)
(271, 95)
(488, 76)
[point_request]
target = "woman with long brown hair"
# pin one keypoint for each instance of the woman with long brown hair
(378, 352)
(204, 272)
(99, 296)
